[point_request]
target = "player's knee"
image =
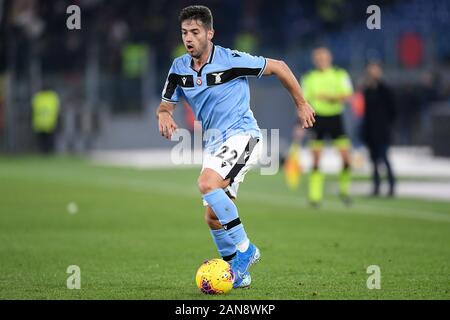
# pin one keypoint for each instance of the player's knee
(210, 180)
(205, 185)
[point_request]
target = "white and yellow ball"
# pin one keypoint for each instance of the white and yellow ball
(214, 277)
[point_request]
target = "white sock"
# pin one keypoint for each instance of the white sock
(243, 245)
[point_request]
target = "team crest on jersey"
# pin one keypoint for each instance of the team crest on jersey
(199, 81)
(217, 76)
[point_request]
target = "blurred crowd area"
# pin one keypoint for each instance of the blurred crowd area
(119, 59)
(283, 28)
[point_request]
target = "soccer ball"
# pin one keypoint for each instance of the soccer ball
(214, 277)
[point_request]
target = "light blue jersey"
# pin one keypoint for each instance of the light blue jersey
(218, 93)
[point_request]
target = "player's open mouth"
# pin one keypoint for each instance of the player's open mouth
(190, 48)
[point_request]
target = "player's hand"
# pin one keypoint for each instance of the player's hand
(306, 114)
(167, 125)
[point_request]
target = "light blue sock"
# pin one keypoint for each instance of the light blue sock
(224, 244)
(227, 213)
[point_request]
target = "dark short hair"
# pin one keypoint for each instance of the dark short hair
(374, 62)
(320, 47)
(200, 13)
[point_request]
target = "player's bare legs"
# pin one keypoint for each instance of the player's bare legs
(226, 227)
(345, 155)
(221, 212)
(316, 180)
(211, 219)
(345, 175)
(207, 182)
(315, 190)
(210, 180)
(223, 241)
(316, 153)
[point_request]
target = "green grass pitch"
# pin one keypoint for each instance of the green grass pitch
(140, 234)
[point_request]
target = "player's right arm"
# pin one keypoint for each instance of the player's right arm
(166, 123)
(169, 98)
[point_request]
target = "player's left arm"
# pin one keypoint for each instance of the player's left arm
(289, 81)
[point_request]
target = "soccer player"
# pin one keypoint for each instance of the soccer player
(327, 88)
(213, 80)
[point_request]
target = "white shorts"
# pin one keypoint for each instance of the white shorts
(233, 159)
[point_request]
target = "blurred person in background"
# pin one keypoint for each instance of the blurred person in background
(357, 113)
(246, 42)
(378, 121)
(292, 165)
(327, 88)
(45, 104)
(429, 93)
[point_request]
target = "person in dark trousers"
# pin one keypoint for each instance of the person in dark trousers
(377, 124)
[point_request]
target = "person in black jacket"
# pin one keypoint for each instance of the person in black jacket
(378, 123)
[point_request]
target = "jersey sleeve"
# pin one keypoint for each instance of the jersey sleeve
(246, 65)
(171, 91)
